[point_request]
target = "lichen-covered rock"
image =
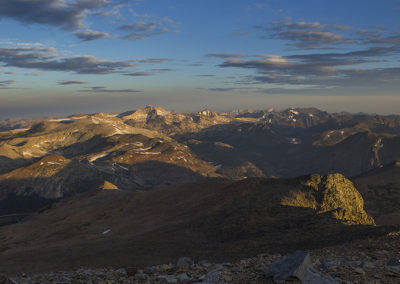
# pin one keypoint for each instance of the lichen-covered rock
(341, 198)
(332, 193)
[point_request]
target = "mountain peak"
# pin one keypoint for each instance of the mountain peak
(146, 113)
(207, 112)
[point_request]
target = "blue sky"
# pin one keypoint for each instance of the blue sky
(72, 56)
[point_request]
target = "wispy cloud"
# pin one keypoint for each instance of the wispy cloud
(205, 75)
(71, 82)
(64, 14)
(162, 69)
(222, 89)
(305, 34)
(46, 59)
(364, 66)
(380, 37)
(90, 35)
(226, 55)
(102, 89)
(151, 60)
(6, 83)
(322, 70)
(145, 28)
(138, 74)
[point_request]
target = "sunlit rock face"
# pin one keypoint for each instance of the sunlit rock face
(332, 194)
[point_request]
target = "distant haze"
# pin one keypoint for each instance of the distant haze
(64, 106)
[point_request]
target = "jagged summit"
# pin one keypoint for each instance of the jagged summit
(146, 113)
(207, 112)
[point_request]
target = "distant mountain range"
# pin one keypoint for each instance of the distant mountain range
(42, 160)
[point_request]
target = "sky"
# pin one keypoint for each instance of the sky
(76, 56)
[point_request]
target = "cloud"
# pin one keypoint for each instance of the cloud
(138, 74)
(152, 60)
(231, 89)
(278, 64)
(380, 37)
(67, 15)
(90, 35)
(222, 89)
(5, 84)
(226, 55)
(71, 82)
(114, 10)
(34, 74)
(341, 27)
(102, 89)
(45, 59)
(305, 34)
(321, 70)
(154, 70)
(162, 69)
(310, 38)
(195, 64)
(144, 29)
(205, 75)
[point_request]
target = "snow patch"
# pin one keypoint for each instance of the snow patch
(122, 167)
(106, 232)
(96, 157)
(294, 141)
(27, 154)
(61, 120)
(148, 153)
(181, 158)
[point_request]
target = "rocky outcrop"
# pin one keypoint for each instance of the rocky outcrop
(146, 113)
(333, 194)
(108, 186)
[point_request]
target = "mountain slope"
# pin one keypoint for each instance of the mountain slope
(60, 157)
(380, 189)
(213, 219)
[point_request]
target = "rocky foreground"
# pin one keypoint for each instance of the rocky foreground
(369, 261)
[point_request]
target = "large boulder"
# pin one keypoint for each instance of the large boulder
(297, 266)
(333, 194)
